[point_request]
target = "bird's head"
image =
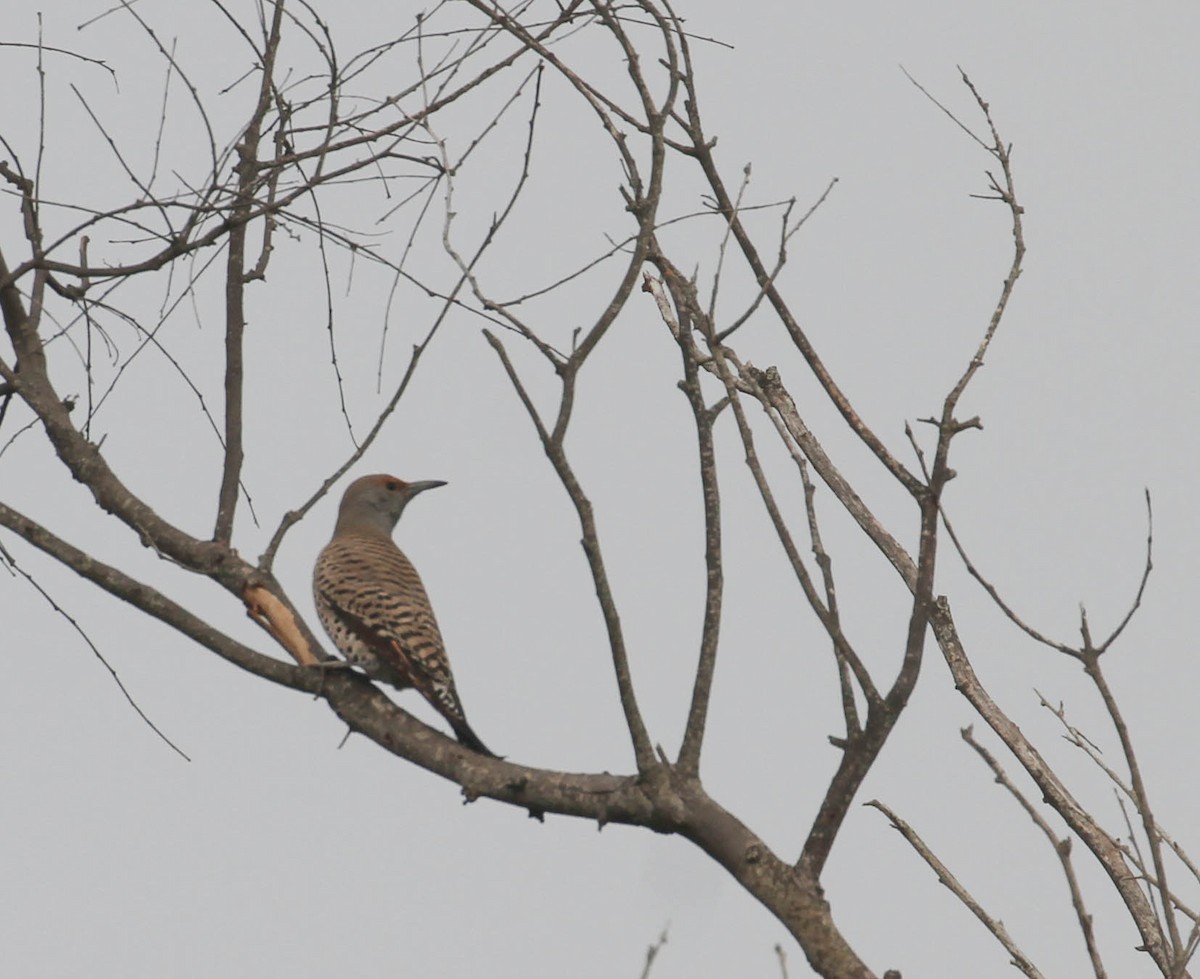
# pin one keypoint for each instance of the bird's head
(374, 503)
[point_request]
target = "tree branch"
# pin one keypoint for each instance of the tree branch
(1103, 847)
(552, 446)
(235, 287)
(995, 926)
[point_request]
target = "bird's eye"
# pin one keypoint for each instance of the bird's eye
(393, 485)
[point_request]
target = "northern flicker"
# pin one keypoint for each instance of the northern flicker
(371, 601)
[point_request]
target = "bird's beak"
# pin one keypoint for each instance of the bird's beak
(423, 485)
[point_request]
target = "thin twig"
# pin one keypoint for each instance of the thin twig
(652, 951)
(7, 559)
(993, 925)
(692, 318)
(235, 289)
(552, 446)
(1062, 848)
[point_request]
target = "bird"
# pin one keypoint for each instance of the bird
(372, 603)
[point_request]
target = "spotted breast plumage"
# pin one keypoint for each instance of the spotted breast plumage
(373, 604)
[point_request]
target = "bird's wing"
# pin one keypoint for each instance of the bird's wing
(390, 615)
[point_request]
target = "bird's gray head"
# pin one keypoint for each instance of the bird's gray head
(373, 504)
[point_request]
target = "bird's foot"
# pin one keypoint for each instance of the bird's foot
(327, 666)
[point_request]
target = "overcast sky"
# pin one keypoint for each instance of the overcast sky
(274, 852)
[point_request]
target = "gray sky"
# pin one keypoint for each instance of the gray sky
(274, 852)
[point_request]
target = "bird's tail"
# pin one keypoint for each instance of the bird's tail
(444, 698)
(467, 737)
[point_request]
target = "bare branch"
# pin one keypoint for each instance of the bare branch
(781, 955)
(692, 317)
(767, 386)
(1091, 665)
(1103, 847)
(996, 927)
(994, 594)
(1008, 195)
(652, 951)
(552, 446)
(292, 517)
(701, 150)
(7, 559)
(1141, 591)
(786, 232)
(1062, 848)
(50, 49)
(235, 288)
(155, 604)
